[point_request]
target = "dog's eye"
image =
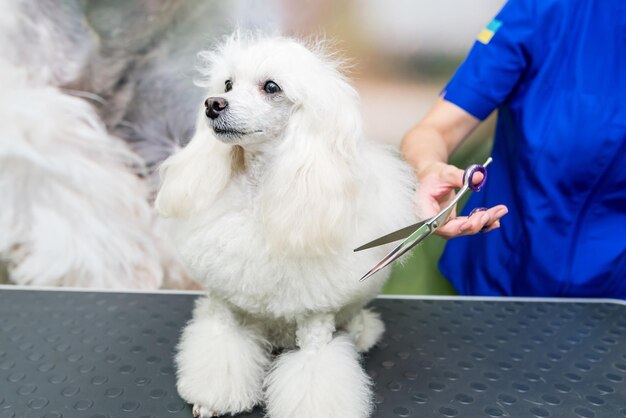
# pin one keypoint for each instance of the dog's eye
(270, 87)
(229, 86)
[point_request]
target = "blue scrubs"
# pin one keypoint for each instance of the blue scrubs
(556, 72)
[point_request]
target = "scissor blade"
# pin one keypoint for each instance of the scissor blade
(400, 250)
(394, 236)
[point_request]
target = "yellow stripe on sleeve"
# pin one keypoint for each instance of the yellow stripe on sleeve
(485, 36)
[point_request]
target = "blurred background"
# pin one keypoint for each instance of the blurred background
(402, 52)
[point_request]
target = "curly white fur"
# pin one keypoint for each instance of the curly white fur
(266, 204)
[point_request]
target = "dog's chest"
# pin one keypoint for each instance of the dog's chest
(226, 249)
(230, 258)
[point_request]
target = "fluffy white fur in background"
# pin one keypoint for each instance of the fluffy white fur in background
(266, 203)
(56, 158)
(90, 101)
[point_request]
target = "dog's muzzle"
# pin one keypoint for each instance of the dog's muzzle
(215, 106)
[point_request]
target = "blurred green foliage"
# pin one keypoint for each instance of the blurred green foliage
(4, 273)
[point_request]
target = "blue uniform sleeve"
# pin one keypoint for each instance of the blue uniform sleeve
(496, 62)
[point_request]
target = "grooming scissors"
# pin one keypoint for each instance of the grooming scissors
(415, 234)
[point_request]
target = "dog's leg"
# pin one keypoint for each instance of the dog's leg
(366, 328)
(321, 379)
(220, 363)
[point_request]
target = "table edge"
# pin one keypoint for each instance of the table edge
(392, 296)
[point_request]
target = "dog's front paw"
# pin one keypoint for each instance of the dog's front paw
(366, 329)
(215, 400)
(200, 411)
(327, 382)
(220, 366)
(222, 384)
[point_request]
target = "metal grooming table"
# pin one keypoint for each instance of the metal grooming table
(98, 354)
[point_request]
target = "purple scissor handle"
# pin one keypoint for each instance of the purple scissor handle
(471, 171)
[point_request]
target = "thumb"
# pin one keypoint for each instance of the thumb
(452, 175)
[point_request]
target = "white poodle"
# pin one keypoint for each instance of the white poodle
(266, 203)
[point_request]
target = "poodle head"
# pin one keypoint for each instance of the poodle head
(275, 96)
(246, 102)
(255, 84)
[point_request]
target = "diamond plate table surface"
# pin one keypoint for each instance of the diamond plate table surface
(95, 354)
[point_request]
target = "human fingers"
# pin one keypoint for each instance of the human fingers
(491, 227)
(425, 204)
(452, 228)
(483, 220)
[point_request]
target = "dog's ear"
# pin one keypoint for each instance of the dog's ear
(192, 178)
(309, 188)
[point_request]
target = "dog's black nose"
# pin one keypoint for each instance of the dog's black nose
(215, 106)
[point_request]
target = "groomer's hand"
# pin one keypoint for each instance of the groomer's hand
(437, 184)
